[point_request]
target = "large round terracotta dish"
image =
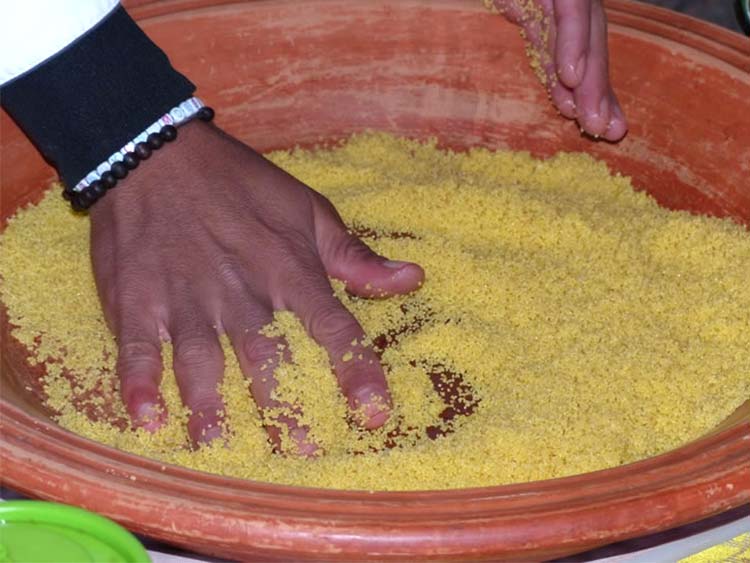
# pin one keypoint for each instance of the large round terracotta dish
(302, 71)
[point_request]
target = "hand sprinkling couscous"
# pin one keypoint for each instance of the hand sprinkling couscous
(566, 324)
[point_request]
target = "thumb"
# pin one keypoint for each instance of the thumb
(365, 273)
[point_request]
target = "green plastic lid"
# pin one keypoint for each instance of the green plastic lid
(43, 532)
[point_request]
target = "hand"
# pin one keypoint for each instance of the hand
(208, 237)
(570, 37)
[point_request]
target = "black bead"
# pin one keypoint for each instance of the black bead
(83, 200)
(168, 133)
(154, 141)
(76, 203)
(108, 180)
(205, 113)
(67, 194)
(88, 198)
(119, 170)
(130, 160)
(96, 189)
(142, 151)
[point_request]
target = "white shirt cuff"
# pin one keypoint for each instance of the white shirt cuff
(32, 31)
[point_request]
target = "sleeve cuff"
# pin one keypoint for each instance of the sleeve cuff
(94, 96)
(32, 31)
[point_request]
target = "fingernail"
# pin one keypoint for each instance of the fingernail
(604, 106)
(572, 73)
(617, 112)
(371, 409)
(579, 69)
(568, 109)
(596, 123)
(375, 415)
(210, 433)
(305, 448)
(148, 417)
(394, 264)
(567, 72)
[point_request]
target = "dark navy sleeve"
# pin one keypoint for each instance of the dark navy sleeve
(94, 96)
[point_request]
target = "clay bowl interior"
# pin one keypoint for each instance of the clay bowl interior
(288, 72)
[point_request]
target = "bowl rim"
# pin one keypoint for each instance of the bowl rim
(43, 459)
(661, 491)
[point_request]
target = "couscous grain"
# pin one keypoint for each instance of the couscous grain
(567, 324)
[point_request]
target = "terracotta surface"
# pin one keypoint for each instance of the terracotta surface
(304, 71)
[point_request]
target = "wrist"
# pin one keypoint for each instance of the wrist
(155, 137)
(163, 177)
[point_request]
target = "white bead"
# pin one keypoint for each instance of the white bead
(177, 114)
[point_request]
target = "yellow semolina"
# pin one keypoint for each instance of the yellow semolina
(736, 550)
(581, 324)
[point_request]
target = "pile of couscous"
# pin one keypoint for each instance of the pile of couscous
(567, 324)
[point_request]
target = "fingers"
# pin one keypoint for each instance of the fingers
(357, 367)
(139, 369)
(365, 273)
(583, 66)
(593, 102)
(368, 274)
(573, 19)
(198, 363)
(536, 20)
(563, 99)
(259, 356)
(618, 125)
(572, 57)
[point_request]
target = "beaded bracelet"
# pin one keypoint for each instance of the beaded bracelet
(89, 190)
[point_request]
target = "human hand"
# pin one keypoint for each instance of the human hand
(569, 38)
(208, 237)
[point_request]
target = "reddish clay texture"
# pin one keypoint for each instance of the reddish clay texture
(286, 72)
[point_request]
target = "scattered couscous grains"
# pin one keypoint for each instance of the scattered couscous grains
(535, 30)
(567, 324)
(736, 550)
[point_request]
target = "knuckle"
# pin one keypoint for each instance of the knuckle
(354, 249)
(138, 356)
(205, 402)
(196, 351)
(229, 271)
(128, 299)
(259, 349)
(302, 275)
(132, 294)
(329, 322)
